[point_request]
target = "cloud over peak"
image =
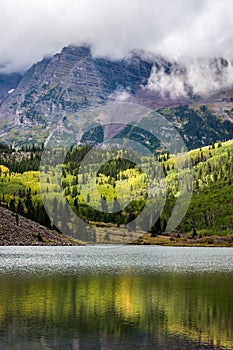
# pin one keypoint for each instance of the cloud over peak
(177, 30)
(201, 77)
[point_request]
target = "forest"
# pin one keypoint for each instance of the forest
(23, 189)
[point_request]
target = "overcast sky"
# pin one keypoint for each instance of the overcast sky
(178, 29)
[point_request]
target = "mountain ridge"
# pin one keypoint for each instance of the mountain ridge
(62, 85)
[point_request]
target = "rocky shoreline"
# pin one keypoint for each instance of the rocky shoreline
(28, 232)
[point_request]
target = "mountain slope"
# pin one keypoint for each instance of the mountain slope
(8, 82)
(199, 125)
(210, 211)
(58, 87)
(63, 84)
(27, 232)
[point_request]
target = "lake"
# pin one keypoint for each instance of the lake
(116, 297)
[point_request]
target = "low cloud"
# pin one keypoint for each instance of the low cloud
(187, 32)
(170, 85)
(199, 77)
(120, 95)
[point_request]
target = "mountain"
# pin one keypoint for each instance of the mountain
(56, 88)
(200, 125)
(63, 84)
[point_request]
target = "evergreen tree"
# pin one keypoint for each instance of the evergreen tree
(20, 207)
(156, 228)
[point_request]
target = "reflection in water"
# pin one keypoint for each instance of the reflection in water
(117, 311)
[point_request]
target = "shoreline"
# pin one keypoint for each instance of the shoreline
(184, 241)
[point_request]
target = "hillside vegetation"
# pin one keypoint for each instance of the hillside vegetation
(210, 212)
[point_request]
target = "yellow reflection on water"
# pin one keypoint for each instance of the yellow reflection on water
(197, 307)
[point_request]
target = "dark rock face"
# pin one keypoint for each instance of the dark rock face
(68, 81)
(8, 82)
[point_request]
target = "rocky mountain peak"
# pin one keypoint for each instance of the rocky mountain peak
(65, 83)
(61, 85)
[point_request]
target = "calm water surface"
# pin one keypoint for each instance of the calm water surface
(116, 297)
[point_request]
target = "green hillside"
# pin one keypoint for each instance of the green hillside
(210, 211)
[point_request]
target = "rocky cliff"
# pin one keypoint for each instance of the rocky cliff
(63, 84)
